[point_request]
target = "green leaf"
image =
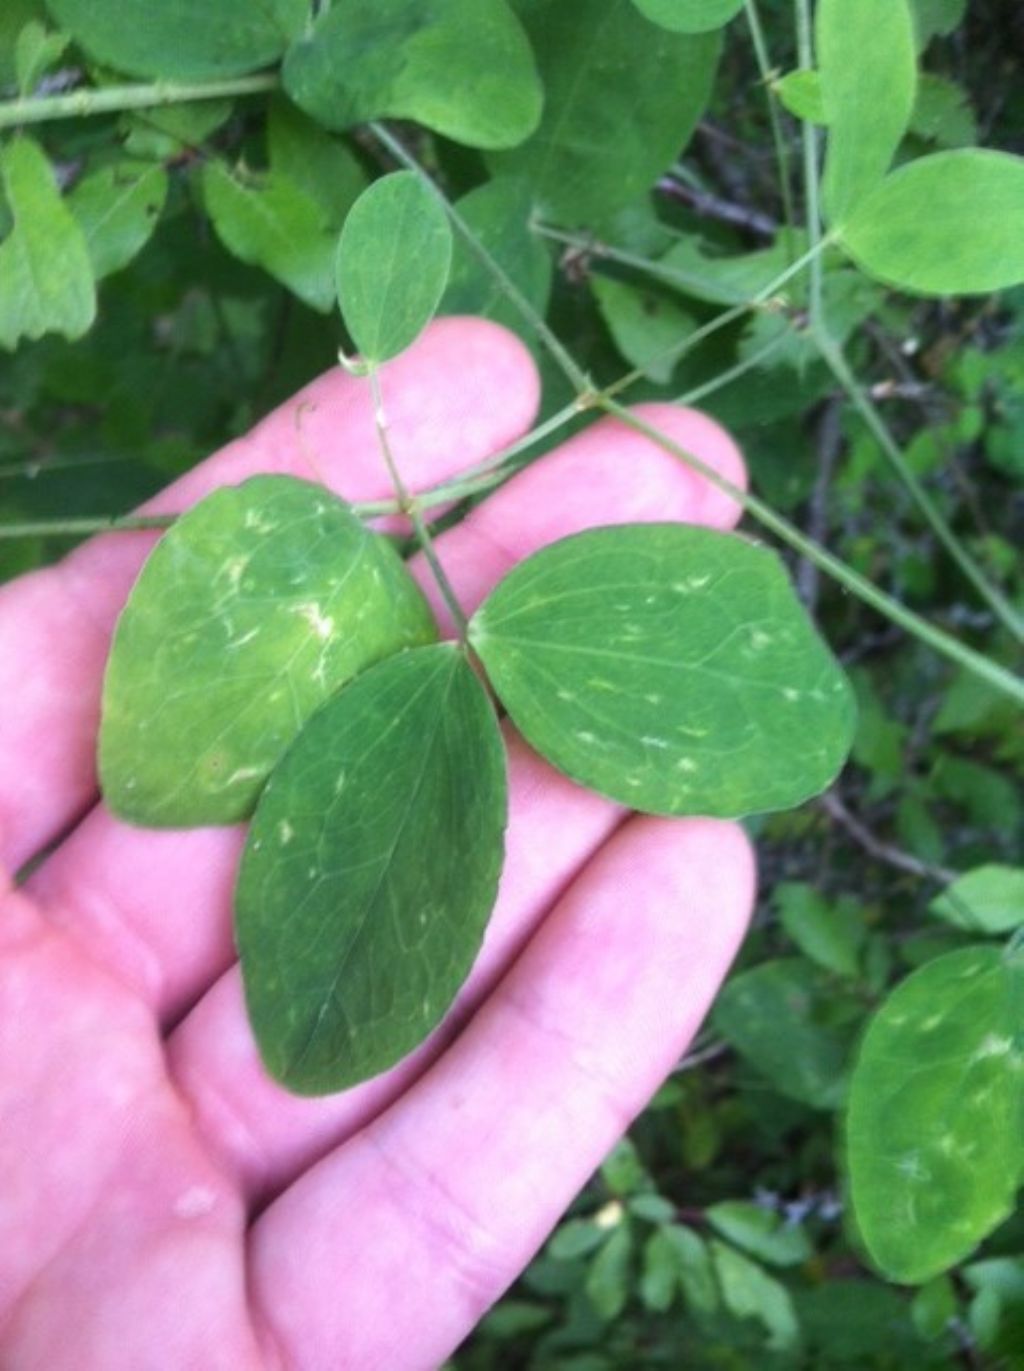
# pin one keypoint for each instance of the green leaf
(179, 40)
(621, 100)
(936, 17)
(370, 871)
(948, 224)
(647, 327)
(830, 934)
(14, 16)
(934, 1118)
(868, 78)
(760, 1232)
(461, 67)
(659, 1283)
(943, 114)
(989, 899)
(253, 609)
(575, 1238)
(320, 164)
(933, 1307)
(392, 264)
(271, 223)
(498, 214)
(800, 93)
(117, 208)
(46, 282)
(689, 16)
(608, 1280)
(772, 1016)
(750, 1293)
(722, 280)
(35, 52)
(670, 667)
(696, 1274)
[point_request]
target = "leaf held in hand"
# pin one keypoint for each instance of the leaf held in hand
(370, 871)
(392, 265)
(253, 608)
(669, 667)
(934, 1119)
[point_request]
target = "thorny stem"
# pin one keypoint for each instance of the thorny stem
(411, 507)
(38, 109)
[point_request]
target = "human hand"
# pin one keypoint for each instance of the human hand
(163, 1203)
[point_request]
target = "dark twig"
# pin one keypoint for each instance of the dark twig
(877, 848)
(830, 440)
(711, 206)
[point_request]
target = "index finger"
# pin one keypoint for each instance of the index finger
(465, 390)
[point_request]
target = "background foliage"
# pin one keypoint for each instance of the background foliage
(167, 275)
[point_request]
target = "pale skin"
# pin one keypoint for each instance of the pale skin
(163, 1205)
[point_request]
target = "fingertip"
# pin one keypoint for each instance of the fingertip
(699, 434)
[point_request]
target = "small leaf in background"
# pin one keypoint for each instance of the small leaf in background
(829, 933)
(460, 67)
(670, 667)
(46, 281)
(749, 1292)
(760, 1232)
(14, 16)
(731, 280)
(253, 608)
(174, 131)
(621, 99)
(609, 1278)
(772, 1016)
(942, 113)
(575, 1238)
(933, 1307)
(180, 40)
(319, 163)
(659, 1282)
(989, 899)
(271, 223)
(370, 871)
(868, 79)
(392, 264)
(117, 208)
(498, 214)
(800, 93)
(948, 224)
(934, 1117)
(934, 18)
(693, 1261)
(36, 51)
(689, 16)
(647, 327)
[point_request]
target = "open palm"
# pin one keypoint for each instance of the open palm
(162, 1203)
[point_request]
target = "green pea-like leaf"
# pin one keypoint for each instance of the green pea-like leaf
(371, 870)
(253, 609)
(182, 39)
(989, 899)
(868, 71)
(392, 264)
(117, 208)
(621, 99)
(461, 67)
(948, 224)
(935, 1112)
(670, 667)
(689, 16)
(46, 280)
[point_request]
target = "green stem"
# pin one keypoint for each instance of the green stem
(81, 528)
(577, 378)
(764, 66)
(411, 507)
(805, 54)
(1002, 608)
(726, 378)
(38, 109)
(891, 608)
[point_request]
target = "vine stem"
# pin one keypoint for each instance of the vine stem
(764, 66)
(788, 533)
(39, 109)
(82, 527)
(834, 358)
(410, 506)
